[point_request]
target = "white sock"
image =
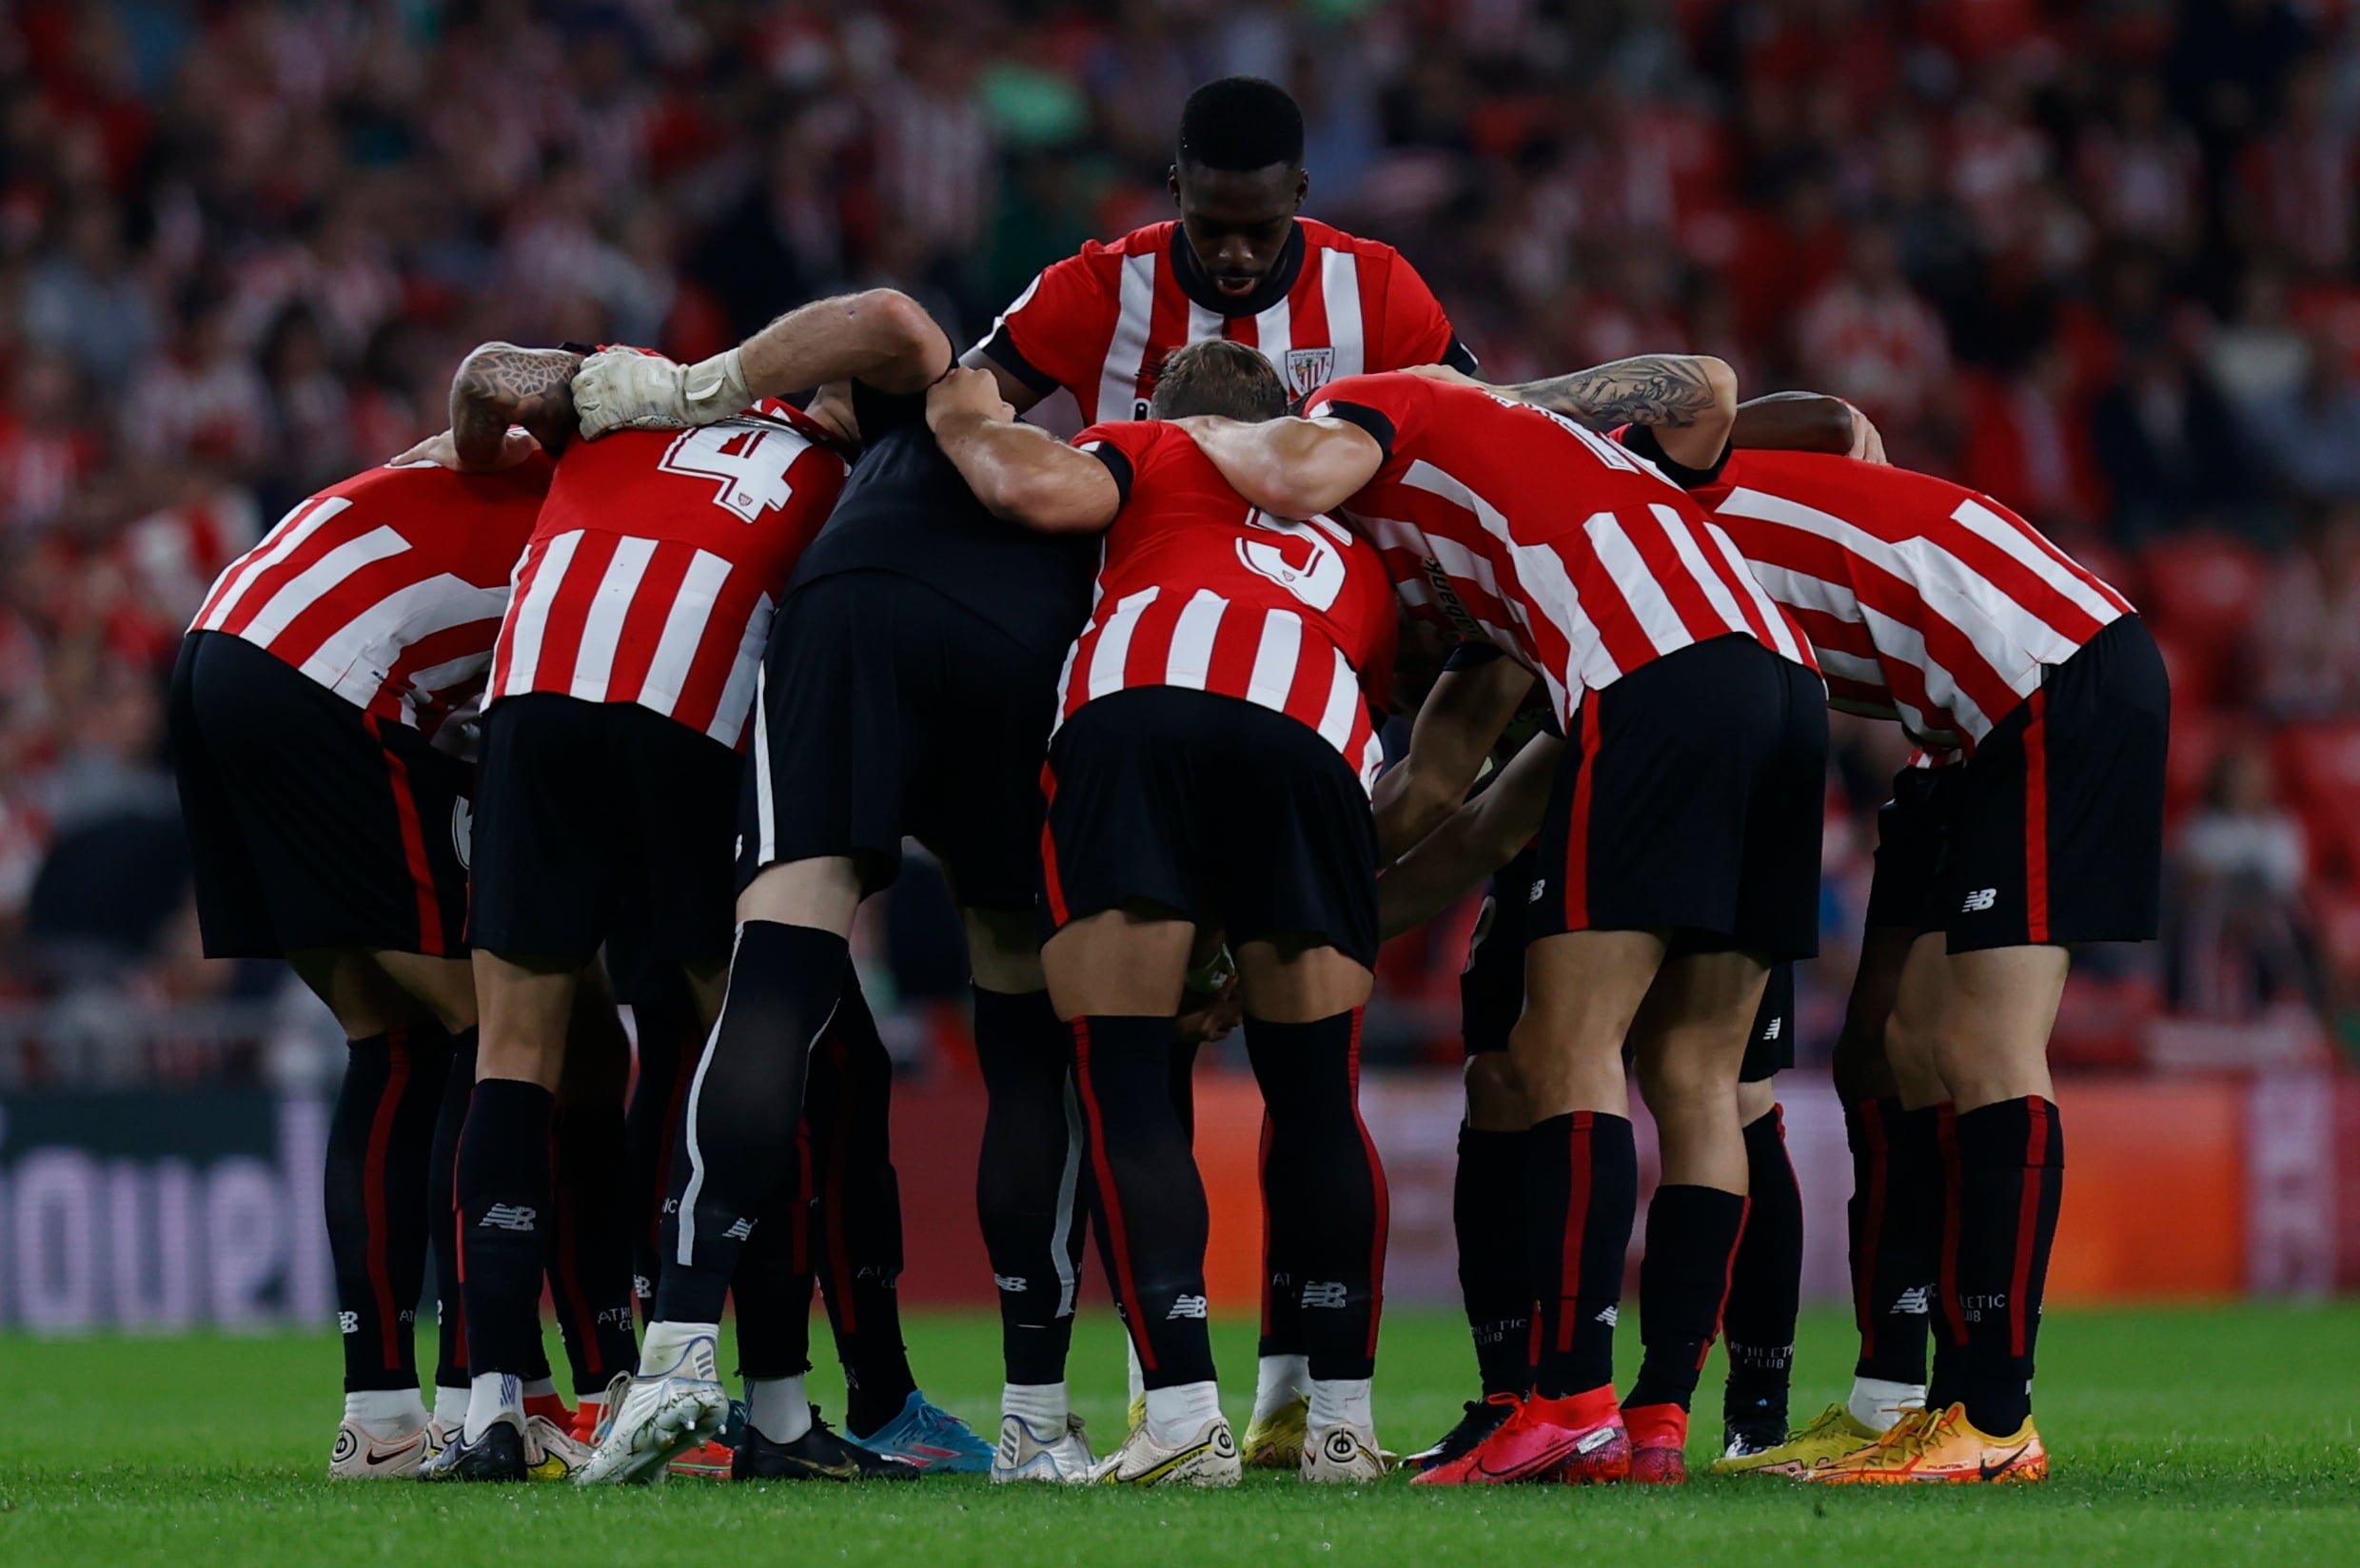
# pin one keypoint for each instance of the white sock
(1138, 1376)
(1042, 1406)
(666, 1341)
(1877, 1403)
(494, 1396)
(386, 1412)
(1279, 1380)
(450, 1405)
(1178, 1413)
(777, 1407)
(540, 1388)
(1341, 1401)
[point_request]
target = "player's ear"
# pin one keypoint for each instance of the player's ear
(1172, 178)
(1303, 187)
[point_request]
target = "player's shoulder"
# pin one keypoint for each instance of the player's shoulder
(1104, 258)
(416, 486)
(1319, 235)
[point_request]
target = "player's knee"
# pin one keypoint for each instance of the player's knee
(1495, 1093)
(1687, 1083)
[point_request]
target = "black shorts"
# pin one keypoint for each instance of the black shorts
(311, 823)
(1492, 988)
(598, 820)
(887, 710)
(1690, 801)
(1903, 892)
(2055, 827)
(1214, 807)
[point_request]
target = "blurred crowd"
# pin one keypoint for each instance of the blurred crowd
(2098, 259)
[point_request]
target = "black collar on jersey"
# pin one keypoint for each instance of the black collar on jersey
(1189, 273)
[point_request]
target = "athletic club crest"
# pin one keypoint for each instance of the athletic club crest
(1309, 369)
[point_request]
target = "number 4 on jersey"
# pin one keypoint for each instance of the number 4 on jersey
(750, 459)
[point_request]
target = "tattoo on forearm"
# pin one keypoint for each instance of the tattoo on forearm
(1660, 389)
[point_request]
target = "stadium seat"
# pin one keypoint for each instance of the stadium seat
(2202, 673)
(2200, 736)
(2320, 767)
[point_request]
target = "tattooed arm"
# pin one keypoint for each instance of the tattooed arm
(499, 385)
(1689, 399)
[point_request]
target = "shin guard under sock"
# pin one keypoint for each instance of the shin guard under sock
(1489, 1211)
(1765, 1285)
(1583, 1175)
(1692, 1244)
(2012, 1158)
(1029, 1188)
(858, 1215)
(450, 1370)
(375, 1187)
(504, 1222)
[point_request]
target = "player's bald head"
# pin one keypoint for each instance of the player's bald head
(1218, 377)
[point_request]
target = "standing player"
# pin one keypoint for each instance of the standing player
(1210, 772)
(1939, 607)
(1240, 265)
(619, 693)
(1680, 856)
(317, 715)
(909, 690)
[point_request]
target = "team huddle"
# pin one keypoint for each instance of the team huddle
(629, 688)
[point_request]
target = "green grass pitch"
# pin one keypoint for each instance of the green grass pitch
(2180, 1436)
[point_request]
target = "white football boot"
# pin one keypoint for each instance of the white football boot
(360, 1453)
(1207, 1458)
(660, 1415)
(1343, 1455)
(551, 1451)
(1023, 1455)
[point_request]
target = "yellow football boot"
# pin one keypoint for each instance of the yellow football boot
(1941, 1447)
(1830, 1436)
(1275, 1442)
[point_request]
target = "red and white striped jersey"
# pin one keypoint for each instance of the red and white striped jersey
(657, 560)
(1101, 324)
(388, 589)
(1506, 521)
(1199, 590)
(1925, 601)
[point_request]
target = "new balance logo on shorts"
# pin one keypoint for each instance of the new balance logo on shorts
(1325, 1293)
(1185, 1307)
(1979, 900)
(1540, 887)
(508, 1217)
(1770, 1032)
(738, 1231)
(1911, 1303)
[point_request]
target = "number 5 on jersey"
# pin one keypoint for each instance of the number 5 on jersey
(1305, 559)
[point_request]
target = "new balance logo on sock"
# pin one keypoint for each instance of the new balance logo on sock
(642, 1287)
(347, 1322)
(1610, 1315)
(1979, 900)
(1911, 1303)
(1016, 1285)
(1185, 1307)
(1539, 889)
(738, 1231)
(508, 1217)
(1327, 1293)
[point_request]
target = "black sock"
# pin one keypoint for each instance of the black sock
(1488, 1209)
(2012, 1158)
(1581, 1171)
(1894, 1228)
(737, 1129)
(450, 1368)
(1150, 1202)
(504, 1222)
(1029, 1190)
(379, 1143)
(1692, 1244)
(1946, 1385)
(858, 1213)
(1322, 1191)
(664, 1016)
(590, 1251)
(1765, 1285)
(771, 1293)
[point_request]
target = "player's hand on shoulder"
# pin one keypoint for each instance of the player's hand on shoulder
(1441, 373)
(966, 391)
(625, 389)
(1868, 444)
(442, 451)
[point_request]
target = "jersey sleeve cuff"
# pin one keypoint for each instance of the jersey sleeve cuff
(1461, 358)
(1367, 418)
(1001, 348)
(1642, 439)
(1117, 463)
